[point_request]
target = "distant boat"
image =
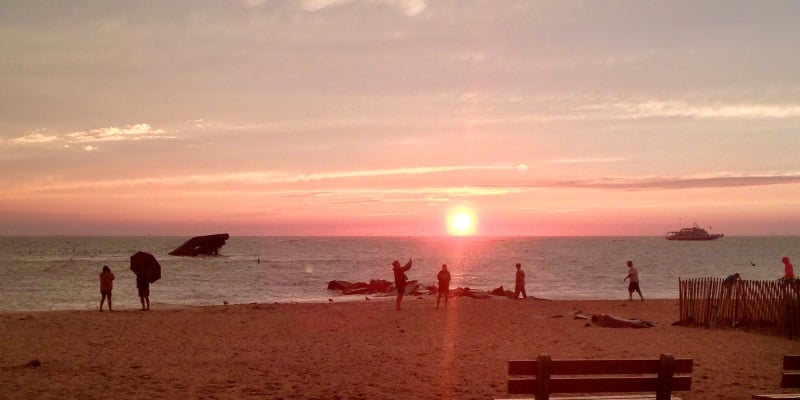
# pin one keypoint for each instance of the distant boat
(693, 233)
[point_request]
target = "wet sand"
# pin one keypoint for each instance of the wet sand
(356, 350)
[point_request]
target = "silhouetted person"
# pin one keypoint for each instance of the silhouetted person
(444, 285)
(400, 279)
(633, 285)
(144, 291)
(731, 279)
(727, 285)
(106, 285)
(519, 286)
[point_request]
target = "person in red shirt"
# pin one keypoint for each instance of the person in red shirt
(788, 269)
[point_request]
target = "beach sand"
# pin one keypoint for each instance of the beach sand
(356, 350)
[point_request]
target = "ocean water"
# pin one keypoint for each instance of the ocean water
(61, 272)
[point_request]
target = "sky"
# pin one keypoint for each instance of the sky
(383, 117)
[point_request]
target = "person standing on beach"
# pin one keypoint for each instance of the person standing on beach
(633, 286)
(106, 284)
(731, 279)
(400, 279)
(519, 286)
(788, 269)
(144, 291)
(727, 285)
(444, 285)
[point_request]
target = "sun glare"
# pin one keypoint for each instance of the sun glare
(461, 222)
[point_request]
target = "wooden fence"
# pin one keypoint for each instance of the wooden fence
(769, 307)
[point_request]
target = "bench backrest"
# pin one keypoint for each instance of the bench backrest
(544, 376)
(791, 371)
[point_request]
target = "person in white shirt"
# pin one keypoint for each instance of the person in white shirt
(633, 285)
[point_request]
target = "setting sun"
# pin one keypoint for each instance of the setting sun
(461, 222)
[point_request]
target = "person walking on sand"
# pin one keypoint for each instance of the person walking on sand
(400, 279)
(444, 285)
(519, 286)
(106, 284)
(788, 269)
(144, 291)
(633, 285)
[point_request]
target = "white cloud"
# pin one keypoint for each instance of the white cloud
(253, 3)
(396, 171)
(316, 5)
(37, 137)
(199, 123)
(468, 96)
(659, 108)
(586, 160)
(408, 7)
(281, 177)
(130, 132)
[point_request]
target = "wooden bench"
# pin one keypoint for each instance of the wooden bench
(544, 376)
(790, 378)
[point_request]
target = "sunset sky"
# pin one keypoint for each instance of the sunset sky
(380, 117)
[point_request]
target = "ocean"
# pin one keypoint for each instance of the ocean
(61, 272)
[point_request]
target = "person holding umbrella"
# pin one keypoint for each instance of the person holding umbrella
(147, 270)
(144, 291)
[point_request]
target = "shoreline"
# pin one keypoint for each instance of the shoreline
(332, 297)
(356, 350)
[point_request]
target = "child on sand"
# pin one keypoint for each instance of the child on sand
(106, 284)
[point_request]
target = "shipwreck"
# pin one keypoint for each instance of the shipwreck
(201, 245)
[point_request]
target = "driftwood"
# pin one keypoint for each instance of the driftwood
(383, 287)
(612, 321)
(205, 245)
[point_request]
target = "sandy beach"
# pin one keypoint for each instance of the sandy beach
(355, 350)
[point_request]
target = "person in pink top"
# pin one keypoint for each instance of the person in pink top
(788, 269)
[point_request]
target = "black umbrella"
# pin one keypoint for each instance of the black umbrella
(146, 265)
